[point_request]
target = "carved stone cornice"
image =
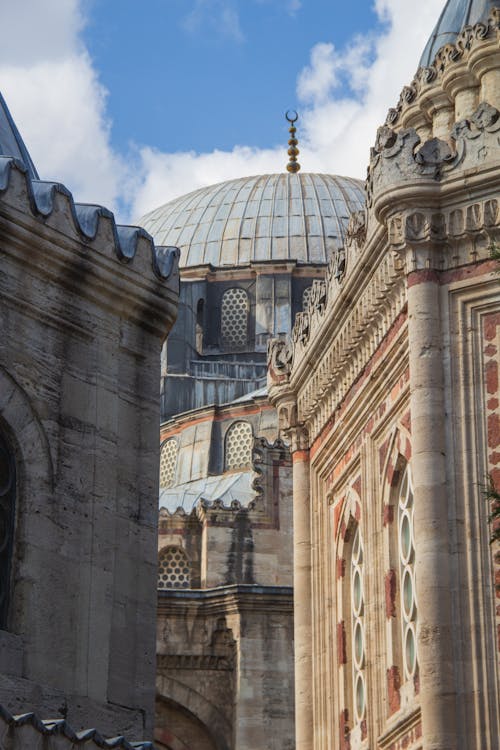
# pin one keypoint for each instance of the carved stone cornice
(347, 348)
(446, 238)
(399, 158)
(455, 66)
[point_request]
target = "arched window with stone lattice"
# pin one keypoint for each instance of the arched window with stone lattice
(306, 298)
(7, 518)
(238, 446)
(400, 586)
(174, 570)
(406, 567)
(351, 688)
(168, 463)
(234, 320)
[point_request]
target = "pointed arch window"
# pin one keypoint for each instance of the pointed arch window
(7, 517)
(234, 319)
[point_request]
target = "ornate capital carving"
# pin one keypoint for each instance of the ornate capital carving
(279, 359)
(295, 433)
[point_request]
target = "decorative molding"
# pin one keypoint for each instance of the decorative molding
(401, 157)
(447, 63)
(166, 662)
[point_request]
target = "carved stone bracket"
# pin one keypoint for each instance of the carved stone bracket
(279, 358)
(396, 158)
(295, 433)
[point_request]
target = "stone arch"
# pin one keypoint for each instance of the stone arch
(179, 729)
(189, 700)
(34, 480)
(348, 528)
(396, 463)
(23, 427)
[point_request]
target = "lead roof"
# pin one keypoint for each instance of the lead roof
(455, 15)
(292, 217)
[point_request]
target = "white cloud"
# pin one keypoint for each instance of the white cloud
(59, 104)
(219, 16)
(294, 6)
(56, 99)
(336, 129)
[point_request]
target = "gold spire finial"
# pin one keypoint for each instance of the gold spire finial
(293, 165)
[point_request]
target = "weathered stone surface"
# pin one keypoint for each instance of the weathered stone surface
(84, 310)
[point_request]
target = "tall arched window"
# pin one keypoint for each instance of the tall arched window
(408, 596)
(234, 319)
(168, 463)
(173, 569)
(358, 639)
(238, 447)
(7, 515)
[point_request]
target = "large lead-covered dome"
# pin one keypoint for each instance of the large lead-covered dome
(300, 217)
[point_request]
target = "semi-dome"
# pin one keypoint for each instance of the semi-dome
(455, 15)
(300, 217)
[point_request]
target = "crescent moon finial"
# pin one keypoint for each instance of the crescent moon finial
(293, 165)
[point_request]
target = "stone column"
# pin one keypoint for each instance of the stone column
(434, 638)
(302, 589)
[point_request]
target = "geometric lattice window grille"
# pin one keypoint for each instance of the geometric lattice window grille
(168, 463)
(306, 298)
(408, 594)
(358, 639)
(7, 512)
(239, 445)
(173, 569)
(234, 319)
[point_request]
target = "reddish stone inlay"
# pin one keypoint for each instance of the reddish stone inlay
(393, 687)
(491, 372)
(345, 736)
(390, 594)
(388, 515)
(493, 430)
(341, 643)
(491, 323)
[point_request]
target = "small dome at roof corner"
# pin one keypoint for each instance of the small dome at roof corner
(455, 15)
(299, 217)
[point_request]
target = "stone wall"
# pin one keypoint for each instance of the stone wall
(85, 306)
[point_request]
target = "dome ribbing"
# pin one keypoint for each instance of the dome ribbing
(298, 217)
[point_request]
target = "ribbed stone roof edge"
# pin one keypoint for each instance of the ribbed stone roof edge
(86, 218)
(61, 728)
(455, 15)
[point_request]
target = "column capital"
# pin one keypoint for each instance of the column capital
(294, 432)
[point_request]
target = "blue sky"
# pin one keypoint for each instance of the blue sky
(131, 103)
(208, 80)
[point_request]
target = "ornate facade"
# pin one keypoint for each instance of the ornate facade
(388, 394)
